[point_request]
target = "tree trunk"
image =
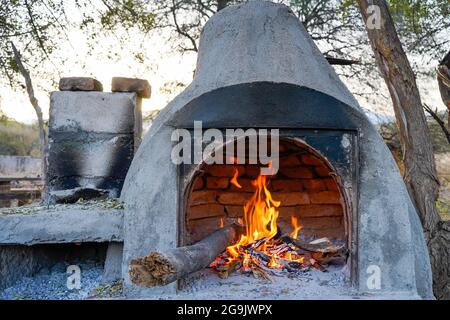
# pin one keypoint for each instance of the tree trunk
(37, 109)
(420, 170)
(439, 247)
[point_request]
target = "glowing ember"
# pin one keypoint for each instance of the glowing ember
(273, 263)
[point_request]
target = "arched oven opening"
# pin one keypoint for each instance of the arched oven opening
(307, 219)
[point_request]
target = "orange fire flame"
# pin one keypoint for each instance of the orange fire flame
(260, 221)
(234, 179)
(296, 226)
(273, 263)
(261, 246)
(260, 217)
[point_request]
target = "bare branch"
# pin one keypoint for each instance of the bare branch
(34, 102)
(35, 29)
(439, 121)
(181, 31)
(204, 8)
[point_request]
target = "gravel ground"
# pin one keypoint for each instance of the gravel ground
(51, 284)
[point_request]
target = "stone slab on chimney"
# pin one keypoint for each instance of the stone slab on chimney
(140, 86)
(80, 84)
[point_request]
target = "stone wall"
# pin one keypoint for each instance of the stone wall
(19, 167)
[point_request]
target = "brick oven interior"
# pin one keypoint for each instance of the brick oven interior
(305, 184)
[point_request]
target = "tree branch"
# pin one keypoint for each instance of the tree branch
(34, 102)
(180, 31)
(438, 120)
(35, 29)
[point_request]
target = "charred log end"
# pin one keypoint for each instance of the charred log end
(162, 268)
(152, 270)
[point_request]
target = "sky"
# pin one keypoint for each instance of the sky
(163, 64)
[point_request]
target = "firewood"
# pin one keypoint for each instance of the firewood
(259, 272)
(259, 242)
(323, 246)
(161, 268)
(280, 249)
(229, 268)
(317, 265)
(334, 260)
(259, 255)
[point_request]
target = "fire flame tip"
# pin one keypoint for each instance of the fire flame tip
(234, 181)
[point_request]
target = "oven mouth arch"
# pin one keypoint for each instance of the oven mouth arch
(188, 179)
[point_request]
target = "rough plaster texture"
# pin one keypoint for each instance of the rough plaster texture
(92, 111)
(62, 226)
(113, 263)
(266, 42)
(92, 139)
(89, 155)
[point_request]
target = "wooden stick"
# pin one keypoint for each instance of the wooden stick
(161, 268)
(322, 247)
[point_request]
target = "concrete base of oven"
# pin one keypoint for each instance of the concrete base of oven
(312, 285)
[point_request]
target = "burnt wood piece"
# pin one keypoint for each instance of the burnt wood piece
(161, 268)
(324, 247)
(259, 255)
(291, 266)
(340, 61)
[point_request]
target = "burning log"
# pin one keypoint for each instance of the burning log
(253, 252)
(282, 253)
(262, 248)
(161, 268)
